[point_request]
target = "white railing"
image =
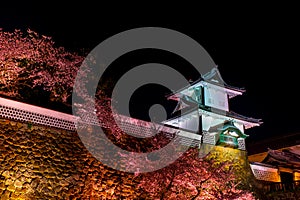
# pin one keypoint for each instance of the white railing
(265, 173)
(10, 109)
(37, 115)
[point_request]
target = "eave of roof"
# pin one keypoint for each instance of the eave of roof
(209, 78)
(247, 121)
(282, 158)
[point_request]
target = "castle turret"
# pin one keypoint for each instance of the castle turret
(203, 109)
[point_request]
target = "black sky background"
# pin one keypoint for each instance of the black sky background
(257, 49)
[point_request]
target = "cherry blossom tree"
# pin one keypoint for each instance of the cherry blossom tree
(223, 173)
(31, 61)
(192, 177)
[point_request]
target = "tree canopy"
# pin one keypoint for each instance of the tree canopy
(30, 62)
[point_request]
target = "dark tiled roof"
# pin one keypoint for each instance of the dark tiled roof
(242, 117)
(209, 77)
(215, 74)
(285, 158)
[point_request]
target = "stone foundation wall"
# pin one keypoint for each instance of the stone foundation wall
(38, 162)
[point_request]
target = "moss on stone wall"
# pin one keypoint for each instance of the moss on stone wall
(236, 161)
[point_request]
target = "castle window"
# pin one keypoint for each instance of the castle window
(229, 135)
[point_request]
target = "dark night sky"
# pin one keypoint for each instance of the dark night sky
(255, 49)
